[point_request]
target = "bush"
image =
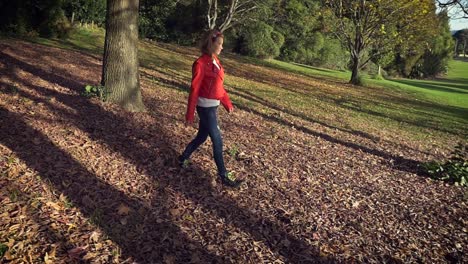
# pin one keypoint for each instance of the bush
(455, 170)
(98, 91)
(57, 25)
(259, 41)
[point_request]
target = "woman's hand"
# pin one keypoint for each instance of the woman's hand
(230, 110)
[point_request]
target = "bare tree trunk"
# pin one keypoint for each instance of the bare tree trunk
(356, 52)
(72, 18)
(237, 8)
(464, 48)
(212, 14)
(355, 71)
(120, 61)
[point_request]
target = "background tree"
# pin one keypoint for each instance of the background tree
(364, 24)
(461, 38)
(153, 18)
(439, 51)
(261, 41)
(120, 61)
(45, 17)
(298, 21)
(227, 14)
(86, 11)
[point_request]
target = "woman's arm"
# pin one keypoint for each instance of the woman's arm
(197, 77)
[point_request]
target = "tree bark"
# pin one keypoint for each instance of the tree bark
(464, 48)
(120, 75)
(355, 71)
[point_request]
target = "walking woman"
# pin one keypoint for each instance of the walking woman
(206, 94)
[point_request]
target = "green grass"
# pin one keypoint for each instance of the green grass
(458, 70)
(409, 109)
(451, 90)
(82, 39)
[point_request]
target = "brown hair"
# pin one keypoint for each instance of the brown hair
(207, 40)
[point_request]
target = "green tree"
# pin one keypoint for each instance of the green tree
(298, 21)
(86, 11)
(436, 57)
(261, 41)
(362, 25)
(120, 61)
(43, 16)
(153, 18)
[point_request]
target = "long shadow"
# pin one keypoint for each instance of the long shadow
(423, 123)
(444, 87)
(83, 186)
(397, 162)
(90, 120)
(61, 242)
(252, 97)
(313, 68)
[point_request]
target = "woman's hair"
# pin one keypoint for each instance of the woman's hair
(207, 40)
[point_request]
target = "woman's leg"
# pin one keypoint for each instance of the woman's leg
(201, 137)
(216, 139)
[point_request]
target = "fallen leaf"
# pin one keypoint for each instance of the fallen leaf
(123, 209)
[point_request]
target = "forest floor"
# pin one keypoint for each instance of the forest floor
(332, 170)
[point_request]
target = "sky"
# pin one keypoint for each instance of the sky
(457, 24)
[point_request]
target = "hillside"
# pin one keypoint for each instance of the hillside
(332, 170)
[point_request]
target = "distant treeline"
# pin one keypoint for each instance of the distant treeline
(314, 32)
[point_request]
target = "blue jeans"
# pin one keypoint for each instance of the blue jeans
(208, 127)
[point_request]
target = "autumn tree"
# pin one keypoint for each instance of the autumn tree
(363, 25)
(120, 61)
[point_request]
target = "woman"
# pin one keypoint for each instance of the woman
(206, 94)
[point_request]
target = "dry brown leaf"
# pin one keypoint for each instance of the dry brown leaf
(123, 210)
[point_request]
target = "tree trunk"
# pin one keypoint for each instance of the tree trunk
(355, 70)
(73, 18)
(120, 61)
(464, 48)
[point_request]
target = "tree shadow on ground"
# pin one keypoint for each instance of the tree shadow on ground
(394, 161)
(443, 87)
(150, 233)
(254, 98)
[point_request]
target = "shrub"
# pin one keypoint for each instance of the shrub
(260, 41)
(98, 91)
(455, 170)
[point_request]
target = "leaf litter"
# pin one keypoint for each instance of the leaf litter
(83, 181)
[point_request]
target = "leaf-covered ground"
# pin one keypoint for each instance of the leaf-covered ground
(83, 181)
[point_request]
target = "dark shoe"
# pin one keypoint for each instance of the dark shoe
(228, 180)
(183, 162)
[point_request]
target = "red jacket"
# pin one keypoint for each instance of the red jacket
(207, 82)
